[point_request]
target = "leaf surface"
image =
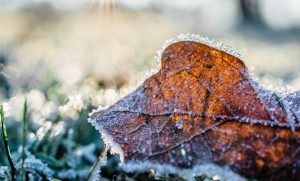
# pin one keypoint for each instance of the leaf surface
(202, 107)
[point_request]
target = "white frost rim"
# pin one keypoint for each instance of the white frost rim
(114, 147)
(198, 39)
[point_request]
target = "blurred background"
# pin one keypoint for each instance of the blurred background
(115, 41)
(68, 57)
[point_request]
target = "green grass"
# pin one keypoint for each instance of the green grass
(7, 149)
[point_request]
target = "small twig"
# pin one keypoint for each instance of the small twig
(97, 162)
(11, 163)
(24, 140)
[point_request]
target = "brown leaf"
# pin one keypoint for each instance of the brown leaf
(203, 108)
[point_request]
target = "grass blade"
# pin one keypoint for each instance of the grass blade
(11, 163)
(24, 140)
(97, 165)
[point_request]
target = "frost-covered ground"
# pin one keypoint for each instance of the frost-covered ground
(67, 64)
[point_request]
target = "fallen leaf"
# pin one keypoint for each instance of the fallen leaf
(202, 108)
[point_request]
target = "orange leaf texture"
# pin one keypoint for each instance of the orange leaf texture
(203, 112)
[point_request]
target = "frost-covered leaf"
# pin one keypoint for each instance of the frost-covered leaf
(202, 112)
(36, 169)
